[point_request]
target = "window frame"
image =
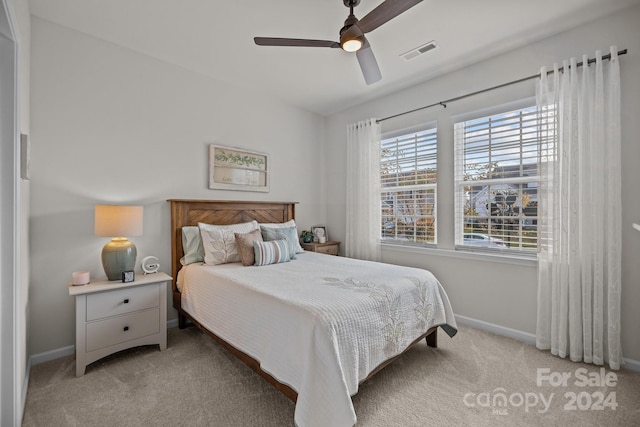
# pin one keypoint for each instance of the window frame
(459, 182)
(430, 187)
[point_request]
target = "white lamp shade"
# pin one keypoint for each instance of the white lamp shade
(118, 221)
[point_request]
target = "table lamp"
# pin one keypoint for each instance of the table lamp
(119, 254)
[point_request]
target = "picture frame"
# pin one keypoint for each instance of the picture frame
(128, 276)
(320, 231)
(238, 169)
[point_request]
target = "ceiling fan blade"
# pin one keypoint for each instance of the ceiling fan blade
(386, 11)
(276, 41)
(368, 64)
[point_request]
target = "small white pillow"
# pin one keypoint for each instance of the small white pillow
(219, 241)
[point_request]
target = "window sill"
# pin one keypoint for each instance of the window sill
(530, 261)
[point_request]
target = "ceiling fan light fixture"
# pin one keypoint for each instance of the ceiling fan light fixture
(352, 45)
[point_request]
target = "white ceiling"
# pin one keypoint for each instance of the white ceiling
(215, 38)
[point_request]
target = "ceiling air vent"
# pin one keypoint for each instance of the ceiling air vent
(419, 50)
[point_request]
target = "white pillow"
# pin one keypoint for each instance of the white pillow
(290, 223)
(219, 241)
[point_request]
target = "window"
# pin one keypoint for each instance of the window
(408, 169)
(496, 181)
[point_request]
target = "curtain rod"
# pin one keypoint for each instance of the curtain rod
(524, 79)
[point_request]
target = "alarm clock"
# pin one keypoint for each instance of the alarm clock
(150, 265)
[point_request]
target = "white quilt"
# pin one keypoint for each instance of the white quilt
(319, 324)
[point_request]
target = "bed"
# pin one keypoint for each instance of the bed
(315, 327)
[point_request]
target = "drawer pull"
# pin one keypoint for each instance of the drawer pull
(126, 301)
(126, 328)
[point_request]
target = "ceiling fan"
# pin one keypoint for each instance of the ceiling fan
(352, 37)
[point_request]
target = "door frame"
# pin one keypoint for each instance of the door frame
(11, 401)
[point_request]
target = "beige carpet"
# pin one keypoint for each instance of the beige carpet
(197, 383)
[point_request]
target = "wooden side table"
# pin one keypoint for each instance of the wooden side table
(113, 316)
(329, 247)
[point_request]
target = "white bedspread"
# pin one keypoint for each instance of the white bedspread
(319, 324)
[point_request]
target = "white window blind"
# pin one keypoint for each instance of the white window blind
(408, 169)
(496, 180)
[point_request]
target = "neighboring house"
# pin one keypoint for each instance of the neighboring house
(506, 199)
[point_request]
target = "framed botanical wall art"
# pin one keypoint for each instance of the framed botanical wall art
(238, 169)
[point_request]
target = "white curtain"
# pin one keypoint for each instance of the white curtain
(363, 191)
(579, 210)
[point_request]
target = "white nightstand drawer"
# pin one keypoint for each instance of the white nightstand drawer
(106, 304)
(104, 333)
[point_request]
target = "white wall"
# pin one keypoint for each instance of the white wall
(495, 292)
(110, 125)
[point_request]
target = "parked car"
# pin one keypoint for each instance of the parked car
(477, 239)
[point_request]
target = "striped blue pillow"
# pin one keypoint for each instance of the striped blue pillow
(271, 252)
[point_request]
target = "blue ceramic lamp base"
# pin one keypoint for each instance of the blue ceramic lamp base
(117, 256)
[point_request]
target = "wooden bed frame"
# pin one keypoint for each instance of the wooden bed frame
(224, 212)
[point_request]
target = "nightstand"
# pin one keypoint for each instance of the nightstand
(329, 247)
(114, 316)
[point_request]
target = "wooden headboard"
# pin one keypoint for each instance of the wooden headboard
(222, 212)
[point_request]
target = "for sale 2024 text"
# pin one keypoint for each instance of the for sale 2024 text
(581, 377)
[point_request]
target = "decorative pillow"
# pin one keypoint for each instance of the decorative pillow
(244, 243)
(290, 234)
(290, 223)
(272, 252)
(191, 245)
(219, 242)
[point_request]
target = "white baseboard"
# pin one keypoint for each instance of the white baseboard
(39, 358)
(526, 337)
(631, 364)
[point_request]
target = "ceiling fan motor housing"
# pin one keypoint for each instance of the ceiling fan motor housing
(348, 23)
(355, 34)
